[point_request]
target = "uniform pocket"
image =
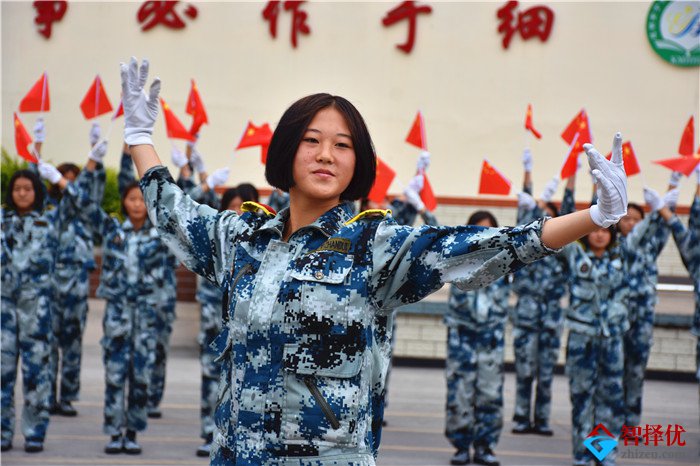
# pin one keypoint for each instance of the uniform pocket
(321, 401)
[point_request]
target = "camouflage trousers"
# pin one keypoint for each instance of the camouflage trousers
(637, 345)
(209, 328)
(595, 368)
(68, 318)
(165, 316)
(536, 353)
(128, 356)
(26, 334)
(474, 374)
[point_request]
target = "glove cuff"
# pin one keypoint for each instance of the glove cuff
(599, 218)
(138, 136)
(210, 182)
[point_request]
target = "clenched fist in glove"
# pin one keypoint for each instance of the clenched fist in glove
(653, 199)
(218, 177)
(95, 133)
(98, 152)
(549, 189)
(423, 161)
(527, 160)
(525, 201)
(197, 162)
(140, 109)
(611, 184)
(179, 159)
(49, 172)
(39, 130)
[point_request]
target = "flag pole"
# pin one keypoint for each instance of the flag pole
(43, 91)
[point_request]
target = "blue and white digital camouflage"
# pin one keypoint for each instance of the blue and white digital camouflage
(688, 242)
(300, 380)
(474, 367)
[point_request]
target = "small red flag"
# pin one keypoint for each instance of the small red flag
(384, 176)
(492, 181)
(95, 102)
(579, 125)
(195, 107)
(22, 140)
(528, 123)
(629, 159)
(119, 112)
(685, 148)
(256, 136)
(685, 165)
(416, 135)
(427, 195)
(570, 165)
(174, 128)
(37, 99)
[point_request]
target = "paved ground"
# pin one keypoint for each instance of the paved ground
(414, 435)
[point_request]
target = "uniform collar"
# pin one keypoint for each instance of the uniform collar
(329, 223)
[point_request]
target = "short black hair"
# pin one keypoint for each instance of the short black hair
(279, 169)
(636, 207)
(127, 190)
(480, 215)
(246, 191)
(54, 191)
(39, 189)
(553, 207)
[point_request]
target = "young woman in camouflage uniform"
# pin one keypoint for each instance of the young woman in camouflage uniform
(310, 289)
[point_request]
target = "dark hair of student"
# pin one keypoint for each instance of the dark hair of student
(127, 190)
(636, 207)
(54, 191)
(613, 239)
(290, 131)
(246, 191)
(39, 190)
(480, 215)
(553, 207)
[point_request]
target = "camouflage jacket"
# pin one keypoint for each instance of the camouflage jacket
(479, 309)
(405, 214)
(299, 374)
(688, 242)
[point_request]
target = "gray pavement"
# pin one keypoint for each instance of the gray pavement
(414, 435)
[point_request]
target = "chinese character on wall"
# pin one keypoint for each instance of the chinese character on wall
(409, 11)
(153, 13)
(47, 13)
(299, 18)
(533, 22)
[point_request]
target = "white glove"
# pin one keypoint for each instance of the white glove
(611, 184)
(675, 179)
(98, 152)
(191, 144)
(39, 130)
(95, 133)
(179, 159)
(549, 189)
(671, 198)
(140, 110)
(423, 161)
(413, 198)
(653, 199)
(49, 172)
(416, 183)
(697, 173)
(525, 201)
(218, 177)
(527, 160)
(197, 161)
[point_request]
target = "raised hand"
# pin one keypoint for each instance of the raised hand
(611, 184)
(140, 109)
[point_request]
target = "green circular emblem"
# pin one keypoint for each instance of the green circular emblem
(673, 29)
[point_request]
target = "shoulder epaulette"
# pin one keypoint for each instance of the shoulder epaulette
(49, 207)
(250, 206)
(369, 214)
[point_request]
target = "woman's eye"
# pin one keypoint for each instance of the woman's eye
(311, 140)
(343, 145)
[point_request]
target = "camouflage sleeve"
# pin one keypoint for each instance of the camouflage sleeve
(429, 218)
(568, 204)
(641, 235)
(186, 183)
(688, 245)
(694, 221)
(411, 263)
(660, 237)
(99, 179)
(403, 212)
(89, 212)
(528, 215)
(201, 238)
(527, 188)
(126, 172)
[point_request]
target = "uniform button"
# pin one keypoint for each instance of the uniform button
(318, 275)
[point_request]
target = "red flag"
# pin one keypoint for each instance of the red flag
(492, 181)
(571, 162)
(255, 136)
(687, 139)
(384, 176)
(427, 195)
(95, 102)
(629, 159)
(22, 140)
(528, 122)
(173, 126)
(195, 107)
(685, 165)
(119, 112)
(417, 134)
(37, 99)
(579, 125)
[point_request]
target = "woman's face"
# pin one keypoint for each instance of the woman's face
(628, 222)
(485, 223)
(23, 194)
(135, 206)
(235, 205)
(325, 160)
(599, 239)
